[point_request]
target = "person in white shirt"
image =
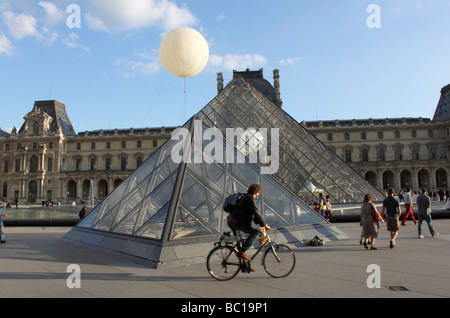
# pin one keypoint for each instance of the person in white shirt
(408, 207)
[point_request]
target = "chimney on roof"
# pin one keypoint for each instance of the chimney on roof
(219, 82)
(276, 86)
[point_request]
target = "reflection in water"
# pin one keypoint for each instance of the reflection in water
(42, 213)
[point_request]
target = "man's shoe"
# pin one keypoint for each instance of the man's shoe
(242, 255)
(421, 236)
(435, 234)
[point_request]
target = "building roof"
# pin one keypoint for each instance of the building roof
(4, 134)
(128, 132)
(366, 122)
(443, 107)
(256, 79)
(57, 111)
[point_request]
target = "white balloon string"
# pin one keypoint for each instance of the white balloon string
(184, 113)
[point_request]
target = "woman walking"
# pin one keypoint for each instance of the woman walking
(369, 223)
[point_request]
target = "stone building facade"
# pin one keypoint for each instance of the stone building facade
(394, 152)
(46, 160)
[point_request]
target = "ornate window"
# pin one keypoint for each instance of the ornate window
(35, 129)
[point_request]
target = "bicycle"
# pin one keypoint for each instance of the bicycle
(223, 262)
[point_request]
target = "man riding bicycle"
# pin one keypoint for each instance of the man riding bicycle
(241, 218)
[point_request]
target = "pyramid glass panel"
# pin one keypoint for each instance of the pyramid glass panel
(306, 166)
(154, 227)
(130, 208)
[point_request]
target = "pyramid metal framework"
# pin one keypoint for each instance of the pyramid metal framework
(306, 166)
(168, 213)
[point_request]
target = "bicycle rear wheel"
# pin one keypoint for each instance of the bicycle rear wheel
(223, 263)
(279, 261)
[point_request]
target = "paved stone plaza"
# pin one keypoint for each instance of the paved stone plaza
(34, 263)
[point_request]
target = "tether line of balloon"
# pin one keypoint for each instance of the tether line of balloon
(183, 119)
(184, 52)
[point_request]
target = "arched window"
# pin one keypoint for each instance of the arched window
(34, 164)
(35, 129)
(72, 189)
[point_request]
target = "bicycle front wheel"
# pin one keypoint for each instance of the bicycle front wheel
(279, 261)
(223, 263)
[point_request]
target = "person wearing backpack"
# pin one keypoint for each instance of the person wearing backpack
(241, 218)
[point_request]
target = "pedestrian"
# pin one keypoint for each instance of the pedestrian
(408, 207)
(82, 213)
(2, 232)
(368, 223)
(391, 213)
(424, 213)
(322, 205)
(328, 209)
(241, 218)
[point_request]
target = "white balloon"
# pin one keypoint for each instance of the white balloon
(184, 52)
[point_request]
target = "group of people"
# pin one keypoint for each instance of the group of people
(437, 195)
(391, 214)
(323, 206)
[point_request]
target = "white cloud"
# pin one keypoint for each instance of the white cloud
(53, 15)
(21, 25)
(122, 15)
(290, 61)
(71, 42)
(221, 17)
(6, 46)
(143, 64)
(235, 62)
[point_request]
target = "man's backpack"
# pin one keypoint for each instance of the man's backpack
(231, 202)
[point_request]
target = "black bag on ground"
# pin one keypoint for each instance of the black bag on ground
(316, 241)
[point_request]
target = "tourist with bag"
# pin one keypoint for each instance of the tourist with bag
(369, 222)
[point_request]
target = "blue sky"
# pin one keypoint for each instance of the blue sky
(332, 65)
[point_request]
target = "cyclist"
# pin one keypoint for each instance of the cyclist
(241, 218)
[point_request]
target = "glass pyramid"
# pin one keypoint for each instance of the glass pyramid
(306, 166)
(167, 200)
